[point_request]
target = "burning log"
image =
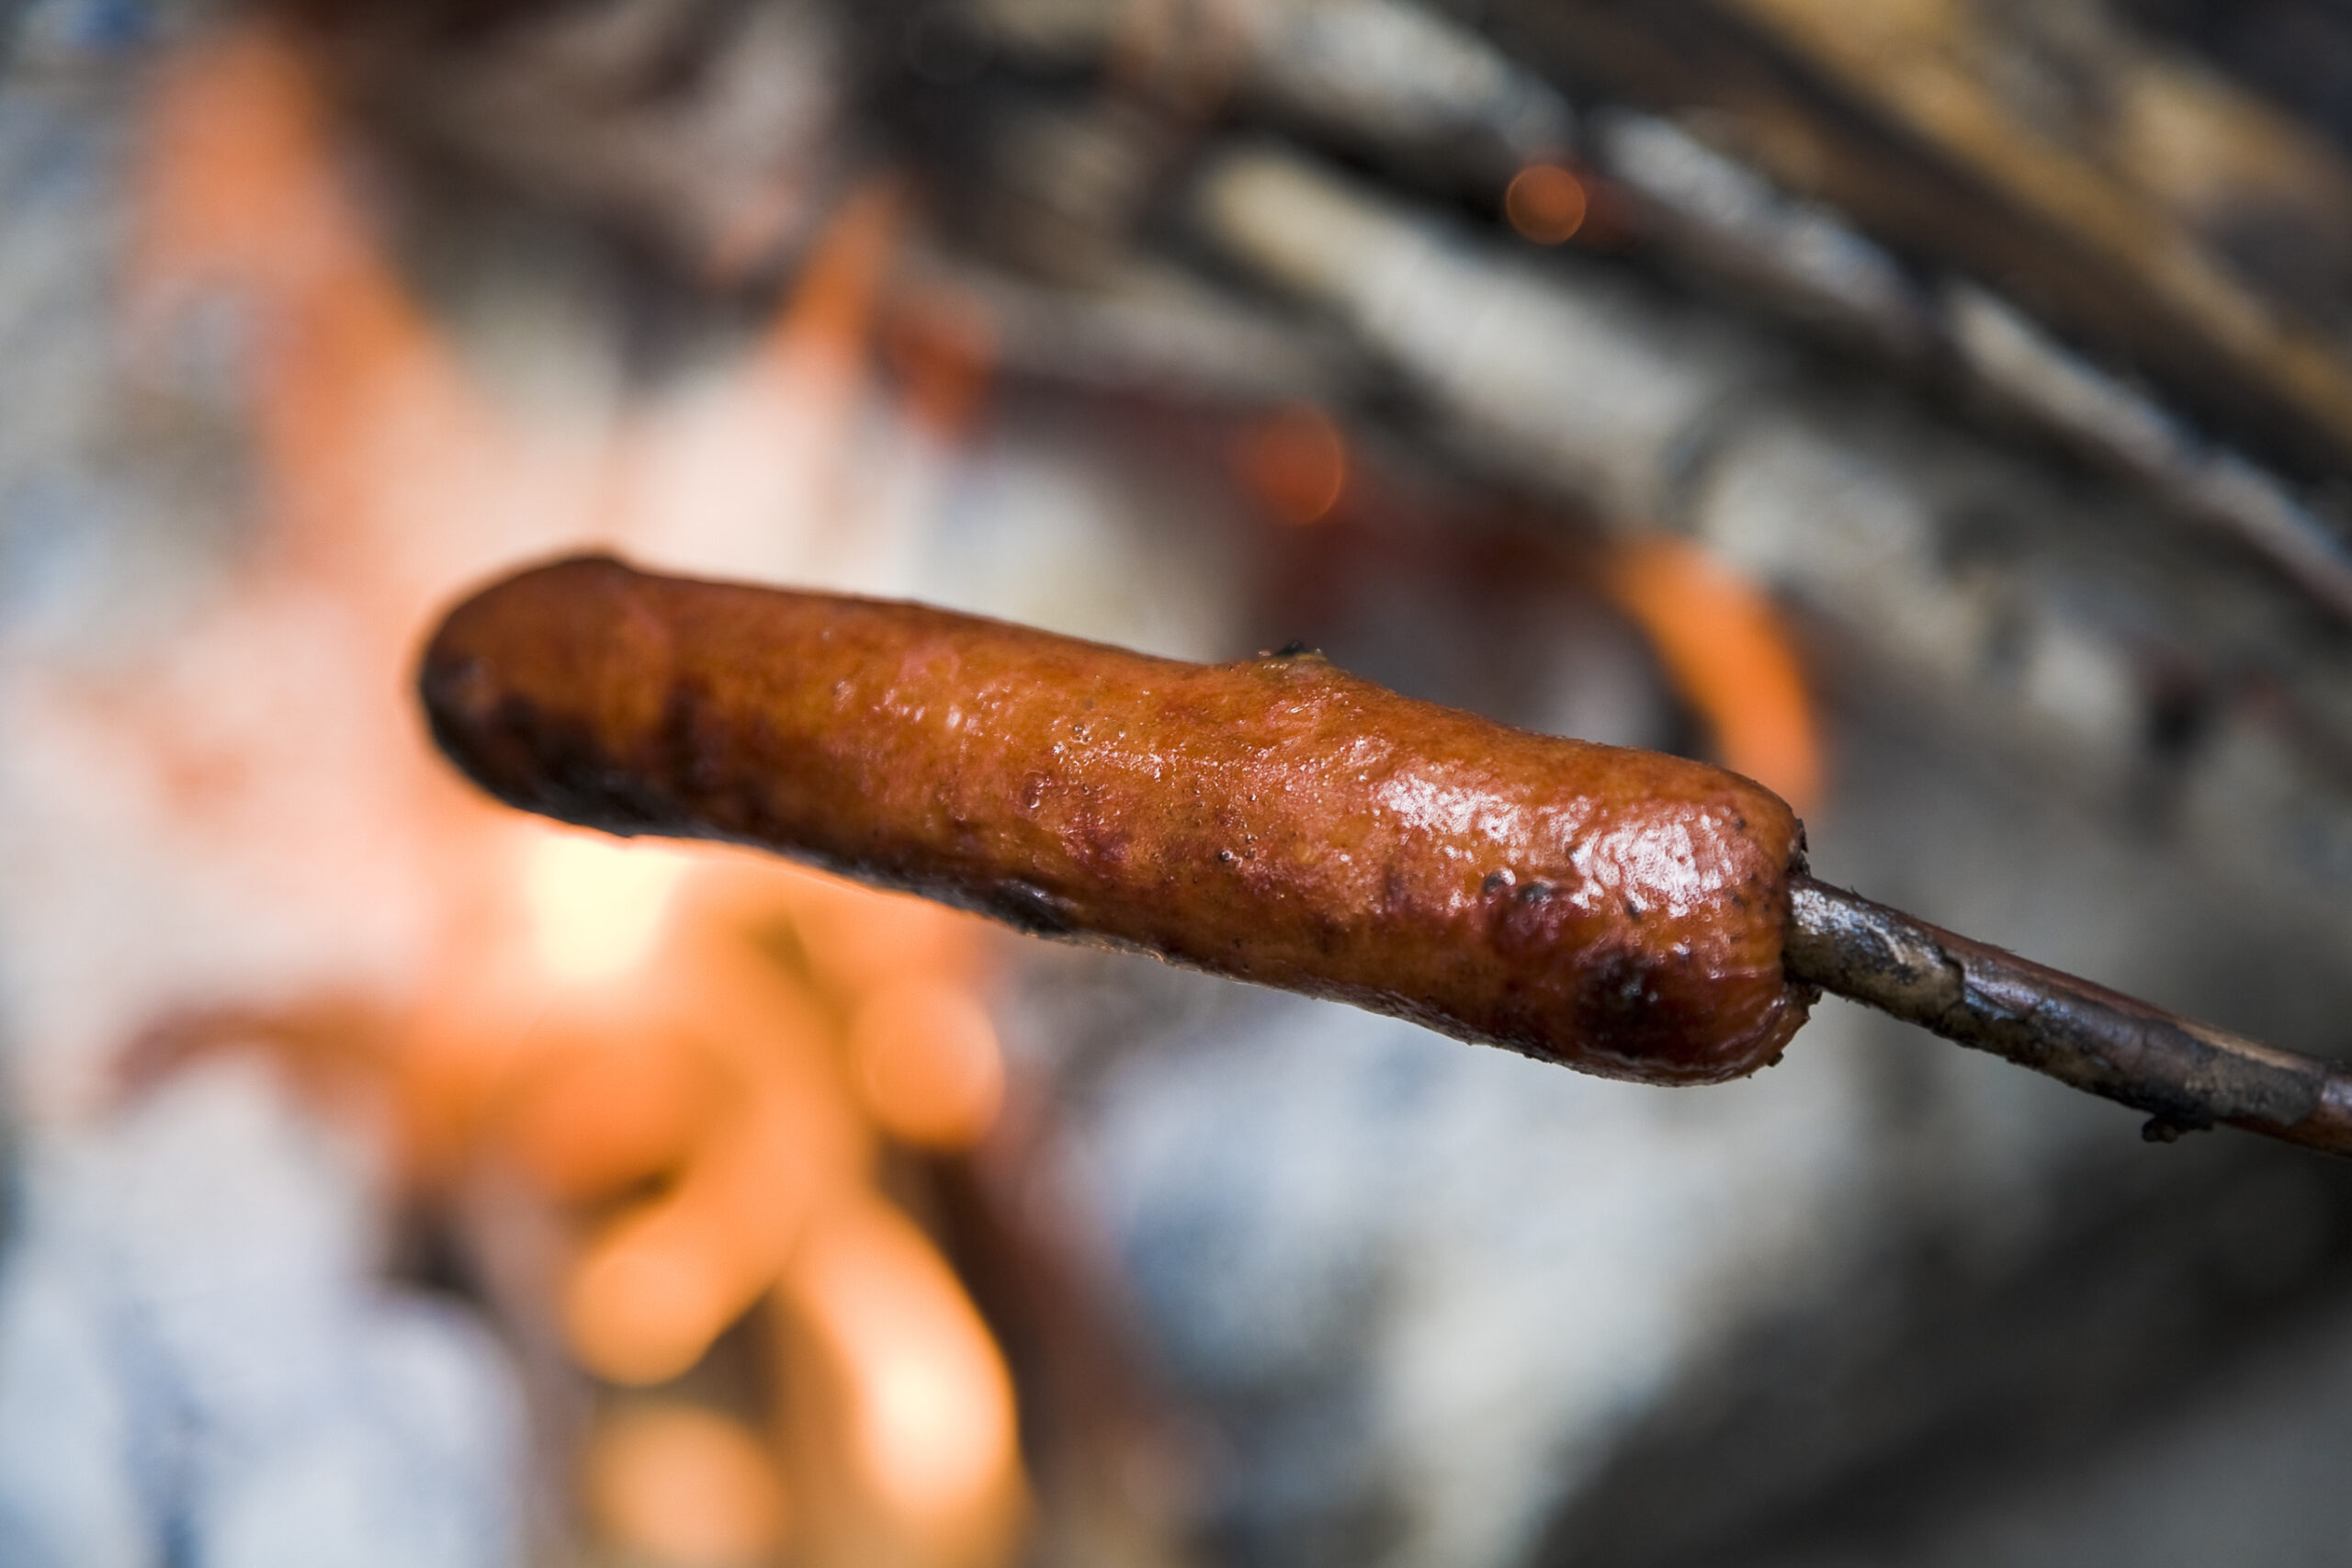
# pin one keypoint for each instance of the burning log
(1955, 569)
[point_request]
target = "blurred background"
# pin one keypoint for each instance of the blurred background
(1938, 410)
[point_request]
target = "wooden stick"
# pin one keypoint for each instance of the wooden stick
(2186, 1075)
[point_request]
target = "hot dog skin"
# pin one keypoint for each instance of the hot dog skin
(1274, 820)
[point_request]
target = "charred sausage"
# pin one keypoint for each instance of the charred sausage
(1274, 820)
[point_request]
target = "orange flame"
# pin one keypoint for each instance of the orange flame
(605, 1019)
(685, 1485)
(596, 904)
(1724, 647)
(929, 1399)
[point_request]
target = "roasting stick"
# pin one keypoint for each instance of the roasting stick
(2188, 1076)
(1275, 820)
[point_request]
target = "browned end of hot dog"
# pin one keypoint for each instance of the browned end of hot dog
(1275, 819)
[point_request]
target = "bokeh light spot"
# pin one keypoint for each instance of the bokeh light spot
(1295, 463)
(1545, 203)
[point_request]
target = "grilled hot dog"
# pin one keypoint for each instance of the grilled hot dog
(1274, 820)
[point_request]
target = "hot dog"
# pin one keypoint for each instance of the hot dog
(1274, 820)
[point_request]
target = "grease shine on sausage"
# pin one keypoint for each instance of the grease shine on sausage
(1275, 819)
